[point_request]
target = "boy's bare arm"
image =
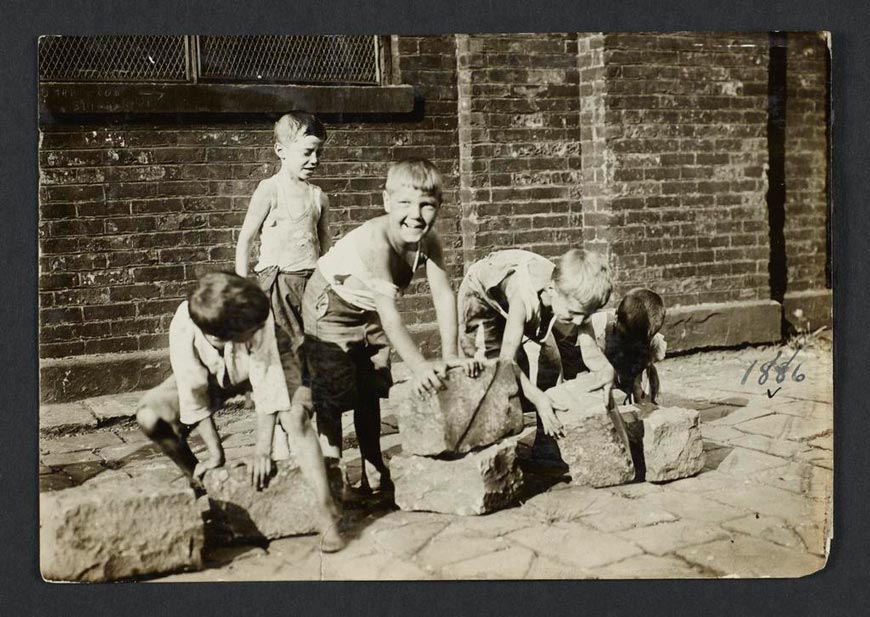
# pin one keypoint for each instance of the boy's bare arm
(323, 235)
(260, 468)
(208, 431)
(596, 361)
(513, 331)
(257, 211)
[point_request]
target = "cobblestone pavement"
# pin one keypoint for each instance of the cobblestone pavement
(760, 507)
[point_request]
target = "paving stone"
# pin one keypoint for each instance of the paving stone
(647, 566)
(720, 434)
(469, 413)
(670, 536)
(372, 567)
(775, 447)
(814, 536)
(445, 550)
(634, 490)
(767, 528)
(741, 462)
(544, 568)
(704, 482)
(595, 446)
(781, 426)
(102, 533)
(511, 563)
(801, 408)
(800, 478)
(54, 482)
(477, 483)
(407, 540)
(742, 414)
(574, 544)
(747, 557)
(826, 442)
(566, 505)
(610, 514)
(672, 444)
(130, 452)
(65, 417)
(88, 441)
(115, 406)
(70, 458)
(489, 526)
(241, 512)
(701, 507)
(771, 501)
(817, 456)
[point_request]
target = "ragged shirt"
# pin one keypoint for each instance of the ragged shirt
(288, 237)
(193, 359)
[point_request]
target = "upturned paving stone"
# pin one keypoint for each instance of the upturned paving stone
(744, 556)
(767, 528)
(669, 536)
(595, 446)
(672, 444)
(469, 413)
(109, 532)
(64, 418)
(286, 507)
(479, 482)
(115, 407)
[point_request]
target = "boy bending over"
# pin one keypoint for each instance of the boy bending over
(222, 343)
(514, 297)
(351, 316)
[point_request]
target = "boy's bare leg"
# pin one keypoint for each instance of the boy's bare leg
(367, 423)
(304, 444)
(161, 428)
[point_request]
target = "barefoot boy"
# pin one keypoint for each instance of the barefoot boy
(514, 297)
(351, 317)
(222, 343)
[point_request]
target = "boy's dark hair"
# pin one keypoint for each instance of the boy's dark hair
(226, 305)
(297, 124)
(640, 314)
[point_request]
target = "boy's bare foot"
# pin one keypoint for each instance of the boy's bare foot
(331, 540)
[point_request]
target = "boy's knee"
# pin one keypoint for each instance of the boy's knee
(296, 420)
(148, 420)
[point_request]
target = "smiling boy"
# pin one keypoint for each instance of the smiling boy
(351, 315)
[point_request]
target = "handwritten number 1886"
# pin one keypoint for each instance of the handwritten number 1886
(781, 370)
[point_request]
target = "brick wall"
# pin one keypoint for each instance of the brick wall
(675, 162)
(650, 147)
(131, 214)
(520, 142)
(806, 163)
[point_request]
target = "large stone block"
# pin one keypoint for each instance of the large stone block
(469, 413)
(672, 444)
(595, 447)
(285, 507)
(113, 530)
(477, 483)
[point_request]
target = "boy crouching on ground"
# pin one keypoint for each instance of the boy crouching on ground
(222, 343)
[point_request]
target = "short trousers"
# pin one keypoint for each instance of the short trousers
(285, 291)
(346, 351)
(164, 397)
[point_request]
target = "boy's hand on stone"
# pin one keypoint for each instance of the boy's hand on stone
(260, 468)
(471, 366)
(203, 466)
(546, 411)
(427, 378)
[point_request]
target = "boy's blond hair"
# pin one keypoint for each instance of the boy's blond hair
(298, 124)
(416, 173)
(584, 276)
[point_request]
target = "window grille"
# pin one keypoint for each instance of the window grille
(113, 58)
(324, 59)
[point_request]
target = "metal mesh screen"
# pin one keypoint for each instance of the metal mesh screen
(113, 58)
(300, 59)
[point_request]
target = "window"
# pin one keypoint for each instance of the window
(323, 60)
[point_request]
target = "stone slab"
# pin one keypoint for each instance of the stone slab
(469, 413)
(115, 407)
(748, 557)
(722, 324)
(479, 482)
(65, 418)
(809, 310)
(672, 444)
(103, 532)
(595, 447)
(285, 507)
